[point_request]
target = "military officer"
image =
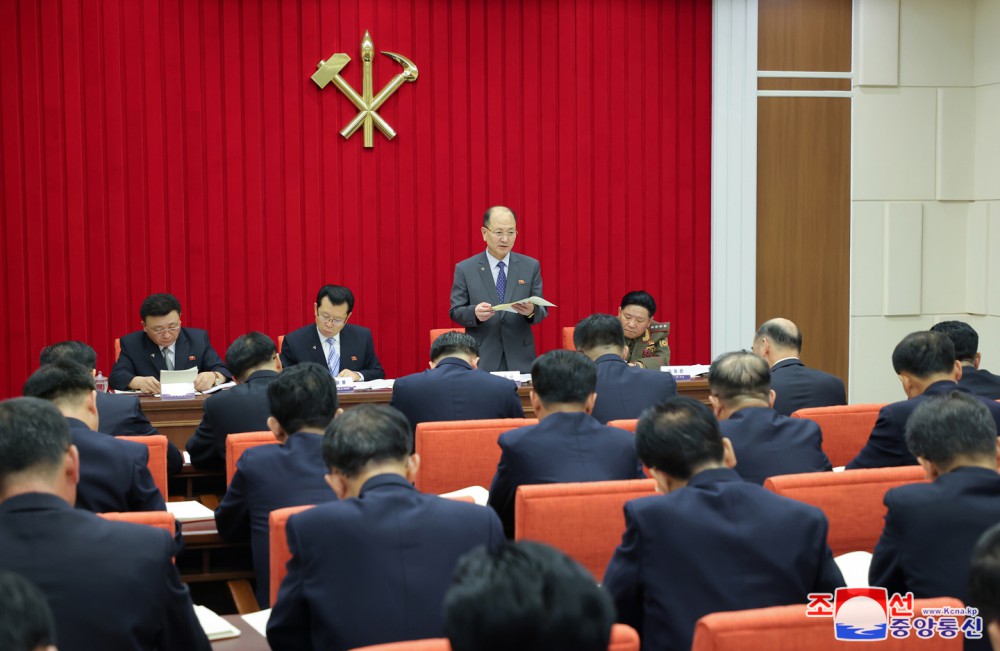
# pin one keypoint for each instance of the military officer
(645, 338)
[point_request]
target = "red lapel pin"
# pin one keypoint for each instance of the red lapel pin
(520, 282)
(354, 358)
(191, 358)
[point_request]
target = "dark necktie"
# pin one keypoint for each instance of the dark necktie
(501, 282)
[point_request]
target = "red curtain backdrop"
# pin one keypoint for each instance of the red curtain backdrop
(180, 146)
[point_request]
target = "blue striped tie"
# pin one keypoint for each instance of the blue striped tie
(501, 282)
(333, 359)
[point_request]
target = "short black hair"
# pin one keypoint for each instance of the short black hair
(60, 382)
(598, 330)
(923, 354)
(677, 436)
(945, 428)
(984, 576)
(249, 351)
(26, 621)
(563, 376)
(364, 434)
(33, 436)
(303, 396)
(159, 305)
(526, 596)
(739, 374)
(73, 351)
(963, 337)
(454, 343)
(337, 295)
(780, 335)
(489, 213)
(639, 298)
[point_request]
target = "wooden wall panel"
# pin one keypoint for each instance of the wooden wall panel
(810, 35)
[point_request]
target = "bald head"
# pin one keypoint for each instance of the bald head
(777, 339)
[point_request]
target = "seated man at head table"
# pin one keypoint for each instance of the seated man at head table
(712, 542)
(118, 415)
(977, 380)
(26, 622)
(164, 345)
(346, 350)
(114, 474)
(302, 401)
(373, 567)
(645, 339)
(110, 585)
(453, 389)
(253, 359)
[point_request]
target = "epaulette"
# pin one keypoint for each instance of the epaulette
(660, 327)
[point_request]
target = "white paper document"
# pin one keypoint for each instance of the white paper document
(218, 387)
(258, 621)
(478, 494)
(686, 372)
(214, 626)
(175, 385)
(854, 567)
(373, 385)
(534, 300)
(190, 511)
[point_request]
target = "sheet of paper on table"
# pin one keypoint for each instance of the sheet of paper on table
(258, 620)
(190, 511)
(478, 494)
(178, 385)
(373, 385)
(534, 300)
(686, 372)
(214, 626)
(218, 387)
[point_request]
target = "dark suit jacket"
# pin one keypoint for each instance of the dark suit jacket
(887, 445)
(122, 415)
(243, 408)
(114, 474)
(718, 544)
(930, 530)
(505, 334)
(453, 390)
(141, 356)
(374, 568)
(357, 350)
(796, 386)
(768, 444)
(111, 585)
(624, 391)
(980, 382)
(271, 477)
(563, 447)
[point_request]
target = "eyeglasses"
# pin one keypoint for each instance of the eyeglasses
(159, 330)
(329, 320)
(502, 234)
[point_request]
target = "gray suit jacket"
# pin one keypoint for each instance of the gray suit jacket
(505, 334)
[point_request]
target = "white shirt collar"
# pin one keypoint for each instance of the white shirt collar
(323, 339)
(783, 359)
(495, 261)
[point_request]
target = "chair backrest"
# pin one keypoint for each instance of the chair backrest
(851, 500)
(567, 338)
(627, 423)
(845, 428)
(157, 444)
(585, 520)
(437, 332)
(279, 552)
(118, 349)
(786, 628)
(461, 453)
(623, 638)
(281, 342)
(237, 444)
(159, 519)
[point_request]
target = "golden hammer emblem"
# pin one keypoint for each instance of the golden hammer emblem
(367, 104)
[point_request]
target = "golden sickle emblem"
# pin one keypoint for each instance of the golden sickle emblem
(368, 105)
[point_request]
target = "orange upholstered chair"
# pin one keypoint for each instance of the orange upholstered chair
(845, 429)
(628, 424)
(786, 628)
(159, 519)
(460, 453)
(118, 349)
(568, 338)
(851, 500)
(585, 519)
(157, 445)
(281, 342)
(437, 332)
(237, 444)
(623, 638)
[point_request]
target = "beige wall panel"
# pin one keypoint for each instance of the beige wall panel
(993, 261)
(987, 158)
(866, 258)
(976, 257)
(987, 42)
(876, 47)
(872, 341)
(989, 342)
(935, 42)
(944, 238)
(901, 269)
(956, 120)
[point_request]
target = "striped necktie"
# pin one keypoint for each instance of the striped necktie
(333, 359)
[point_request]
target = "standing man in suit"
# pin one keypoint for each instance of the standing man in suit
(966, 340)
(765, 442)
(712, 542)
(114, 474)
(346, 350)
(499, 276)
(253, 359)
(373, 567)
(452, 389)
(110, 585)
(302, 401)
(645, 339)
(931, 529)
(796, 386)
(568, 445)
(622, 392)
(926, 365)
(163, 345)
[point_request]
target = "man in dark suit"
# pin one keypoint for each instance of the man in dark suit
(374, 566)
(495, 277)
(114, 474)
(796, 386)
(568, 445)
(111, 585)
(622, 391)
(931, 529)
(163, 345)
(966, 340)
(253, 359)
(452, 389)
(984, 583)
(926, 365)
(26, 622)
(346, 350)
(765, 442)
(714, 542)
(118, 415)
(302, 401)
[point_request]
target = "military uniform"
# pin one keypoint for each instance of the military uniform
(651, 349)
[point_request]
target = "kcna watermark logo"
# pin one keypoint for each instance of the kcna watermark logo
(868, 614)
